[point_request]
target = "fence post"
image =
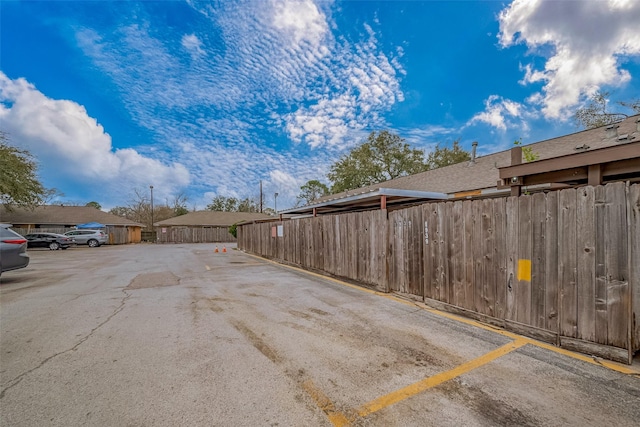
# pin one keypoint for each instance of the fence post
(630, 237)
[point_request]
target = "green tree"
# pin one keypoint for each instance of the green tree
(232, 204)
(527, 152)
(383, 156)
(223, 204)
(445, 156)
(19, 184)
(312, 190)
(248, 205)
(94, 205)
(233, 229)
(122, 211)
(596, 114)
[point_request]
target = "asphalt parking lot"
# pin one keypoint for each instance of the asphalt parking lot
(171, 335)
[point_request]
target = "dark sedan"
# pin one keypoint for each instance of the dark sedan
(52, 241)
(13, 250)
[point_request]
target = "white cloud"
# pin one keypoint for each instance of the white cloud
(590, 42)
(285, 182)
(364, 83)
(73, 146)
(301, 20)
(193, 45)
(427, 137)
(275, 59)
(500, 113)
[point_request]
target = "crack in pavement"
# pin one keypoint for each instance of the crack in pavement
(20, 377)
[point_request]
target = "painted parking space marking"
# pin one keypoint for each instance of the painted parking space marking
(339, 419)
(349, 416)
(324, 403)
(416, 388)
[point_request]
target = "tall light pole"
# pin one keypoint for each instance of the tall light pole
(151, 187)
(275, 202)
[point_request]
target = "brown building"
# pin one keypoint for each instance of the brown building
(203, 226)
(60, 219)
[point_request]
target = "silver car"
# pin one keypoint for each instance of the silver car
(13, 250)
(93, 238)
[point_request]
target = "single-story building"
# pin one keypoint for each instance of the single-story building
(203, 226)
(60, 219)
(593, 156)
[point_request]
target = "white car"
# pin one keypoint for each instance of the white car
(93, 238)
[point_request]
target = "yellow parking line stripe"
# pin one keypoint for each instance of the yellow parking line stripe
(420, 386)
(337, 419)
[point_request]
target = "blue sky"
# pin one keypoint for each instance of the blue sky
(207, 98)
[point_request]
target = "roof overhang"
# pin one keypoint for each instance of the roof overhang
(374, 199)
(592, 167)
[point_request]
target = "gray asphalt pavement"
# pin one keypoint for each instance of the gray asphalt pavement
(178, 335)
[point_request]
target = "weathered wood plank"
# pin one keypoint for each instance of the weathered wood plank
(604, 351)
(538, 260)
(427, 253)
(500, 255)
(353, 245)
(395, 229)
(512, 211)
(456, 248)
(479, 304)
(567, 263)
(551, 269)
(488, 259)
(320, 243)
(600, 326)
(616, 234)
(415, 255)
(382, 231)
(531, 331)
(634, 273)
(586, 263)
(468, 263)
(434, 243)
(523, 283)
(443, 261)
(450, 308)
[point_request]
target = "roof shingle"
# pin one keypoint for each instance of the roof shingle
(62, 215)
(484, 174)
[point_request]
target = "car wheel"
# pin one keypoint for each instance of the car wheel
(93, 243)
(54, 246)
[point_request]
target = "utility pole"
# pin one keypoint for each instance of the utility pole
(151, 187)
(260, 196)
(275, 202)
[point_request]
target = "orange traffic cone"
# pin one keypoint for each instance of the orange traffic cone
(224, 249)
(216, 251)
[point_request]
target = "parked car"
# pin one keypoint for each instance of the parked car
(13, 249)
(93, 238)
(53, 241)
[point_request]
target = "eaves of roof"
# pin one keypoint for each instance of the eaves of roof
(367, 200)
(210, 219)
(59, 214)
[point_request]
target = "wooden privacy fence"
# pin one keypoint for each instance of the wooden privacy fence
(193, 234)
(561, 266)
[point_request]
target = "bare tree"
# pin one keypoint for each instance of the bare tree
(596, 113)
